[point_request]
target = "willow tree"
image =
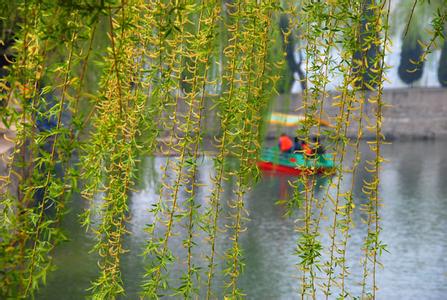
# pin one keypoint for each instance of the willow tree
(417, 40)
(157, 75)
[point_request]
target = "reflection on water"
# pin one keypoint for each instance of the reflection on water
(414, 221)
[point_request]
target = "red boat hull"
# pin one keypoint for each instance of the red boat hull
(268, 166)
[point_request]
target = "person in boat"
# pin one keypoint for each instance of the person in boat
(285, 143)
(301, 146)
(318, 148)
(297, 145)
(306, 149)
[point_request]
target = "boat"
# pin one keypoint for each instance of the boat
(273, 160)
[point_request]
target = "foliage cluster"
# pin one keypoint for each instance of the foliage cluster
(164, 61)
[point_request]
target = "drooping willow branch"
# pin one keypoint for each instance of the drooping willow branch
(113, 145)
(309, 248)
(39, 150)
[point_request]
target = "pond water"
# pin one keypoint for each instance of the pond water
(413, 218)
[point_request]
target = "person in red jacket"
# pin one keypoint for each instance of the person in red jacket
(285, 143)
(307, 150)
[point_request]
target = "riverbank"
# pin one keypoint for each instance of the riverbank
(410, 113)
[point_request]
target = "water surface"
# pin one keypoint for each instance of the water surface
(413, 218)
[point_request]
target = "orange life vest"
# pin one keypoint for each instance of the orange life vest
(285, 143)
(307, 149)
